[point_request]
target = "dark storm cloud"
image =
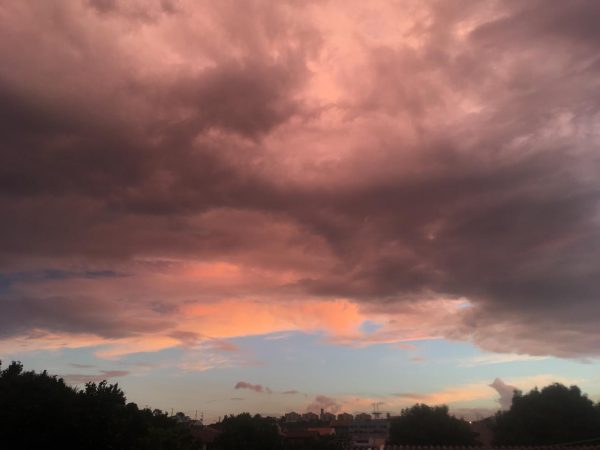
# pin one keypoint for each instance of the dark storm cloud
(55, 274)
(491, 194)
(247, 98)
(564, 23)
(515, 231)
(75, 314)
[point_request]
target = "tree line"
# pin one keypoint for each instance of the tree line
(38, 410)
(554, 415)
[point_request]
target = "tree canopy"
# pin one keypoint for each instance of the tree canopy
(557, 414)
(429, 425)
(38, 410)
(247, 432)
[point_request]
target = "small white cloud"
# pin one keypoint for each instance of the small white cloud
(499, 358)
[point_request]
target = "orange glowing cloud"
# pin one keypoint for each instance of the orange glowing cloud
(232, 318)
(190, 311)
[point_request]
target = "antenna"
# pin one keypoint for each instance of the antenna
(376, 412)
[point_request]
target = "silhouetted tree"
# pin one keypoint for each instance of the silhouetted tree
(556, 414)
(429, 425)
(40, 411)
(247, 432)
(319, 443)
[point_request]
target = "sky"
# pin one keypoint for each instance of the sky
(273, 206)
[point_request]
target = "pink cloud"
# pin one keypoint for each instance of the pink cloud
(323, 402)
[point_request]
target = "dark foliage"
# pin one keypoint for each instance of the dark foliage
(38, 410)
(556, 414)
(429, 425)
(247, 432)
(317, 443)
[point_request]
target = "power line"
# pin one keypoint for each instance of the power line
(575, 442)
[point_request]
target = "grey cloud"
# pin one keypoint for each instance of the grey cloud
(253, 387)
(247, 98)
(545, 21)
(79, 378)
(21, 315)
(82, 366)
(505, 391)
(103, 6)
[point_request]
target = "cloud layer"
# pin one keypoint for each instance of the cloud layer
(251, 168)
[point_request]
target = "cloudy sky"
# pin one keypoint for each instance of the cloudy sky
(274, 206)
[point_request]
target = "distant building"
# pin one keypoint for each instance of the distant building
(292, 417)
(323, 431)
(310, 417)
(343, 417)
(362, 417)
(326, 416)
(300, 438)
(368, 443)
(341, 427)
(369, 434)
